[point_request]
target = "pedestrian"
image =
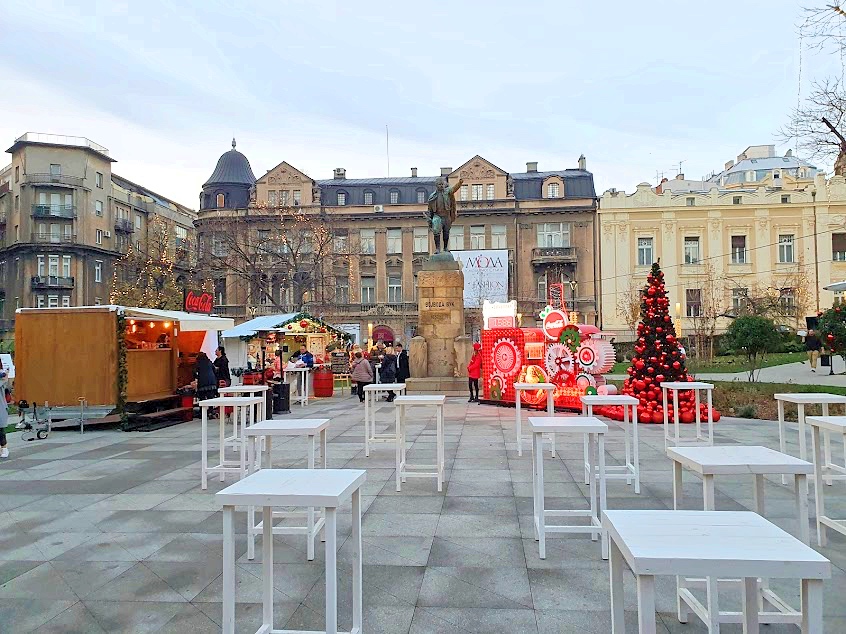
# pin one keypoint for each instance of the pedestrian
(362, 374)
(4, 418)
(474, 372)
(813, 345)
(221, 366)
(206, 378)
(388, 371)
(403, 368)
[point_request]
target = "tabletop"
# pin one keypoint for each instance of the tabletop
(302, 369)
(711, 543)
(812, 398)
(565, 424)
(287, 426)
(242, 389)
(687, 385)
(293, 487)
(737, 459)
(420, 399)
(231, 401)
(534, 386)
(836, 424)
(609, 399)
(383, 387)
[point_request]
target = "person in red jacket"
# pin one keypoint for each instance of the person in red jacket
(474, 372)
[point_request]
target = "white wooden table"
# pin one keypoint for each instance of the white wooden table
(550, 410)
(404, 469)
(371, 395)
(824, 468)
(270, 488)
(630, 469)
(246, 410)
(802, 399)
(242, 390)
(709, 543)
(261, 435)
(595, 429)
(687, 386)
(302, 383)
(756, 461)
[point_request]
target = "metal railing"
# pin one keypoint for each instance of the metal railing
(61, 139)
(54, 211)
(51, 281)
(53, 179)
(54, 238)
(554, 253)
(124, 225)
(7, 324)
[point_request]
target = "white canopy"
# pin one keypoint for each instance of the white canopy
(837, 287)
(265, 323)
(188, 322)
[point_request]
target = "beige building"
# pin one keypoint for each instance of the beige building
(372, 239)
(766, 227)
(66, 219)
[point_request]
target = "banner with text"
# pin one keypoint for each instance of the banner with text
(485, 276)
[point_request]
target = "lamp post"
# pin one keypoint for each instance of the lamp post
(678, 320)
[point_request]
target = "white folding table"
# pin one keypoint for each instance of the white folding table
(269, 488)
(630, 469)
(595, 429)
(261, 435)
(688, 386)
(756, 461)
(550, 410)
(825, 468)
(242, 390)
(709, 543)
(404, 469)
(245, 411)
(371, 394)
(801, 400)
(302, 382)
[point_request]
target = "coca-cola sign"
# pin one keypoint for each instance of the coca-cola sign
(200, 302)
(553, 324)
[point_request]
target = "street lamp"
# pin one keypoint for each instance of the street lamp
(678, 320)
(370, 335)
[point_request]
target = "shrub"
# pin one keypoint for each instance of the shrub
(752, 336)
(746, 411)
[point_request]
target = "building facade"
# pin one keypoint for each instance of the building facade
(66, 219)
(368, 238)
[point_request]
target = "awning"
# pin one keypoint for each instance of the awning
(265, 323)
(837, 287)
(188, 322)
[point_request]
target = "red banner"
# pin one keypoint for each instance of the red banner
(199, 302)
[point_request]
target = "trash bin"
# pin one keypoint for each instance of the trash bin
(825, 360)
(268, 402)
(281, 398)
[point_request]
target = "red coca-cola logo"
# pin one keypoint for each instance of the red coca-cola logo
(199, 302)
(553, 324)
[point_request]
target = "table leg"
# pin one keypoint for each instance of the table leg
(398, 443)
(402, 444)
(646, 604)
(537, 452)
(710, 417)
(367, 424)
(585, 443)
(628, 449)
(818, 487)
(782, 441)
(221, 417)
(800, 486)
(267, 566)
(750, 605)
(550, 411)
(812, 606)
(324, 448)
(439, 441)
(243, 454)
(676, 416)
(310, 510)
(698, 417)
(603, 535)
(636, 448)
(615, 565)
(535, 490)
(331, 571)
(827, 444)
(592, 485)
(518, 423)
(678, 492)
(229, 570)
(204, 443)
(708, 492)
(357, 559)
(666, 416)
(803, 450)
(758, 494)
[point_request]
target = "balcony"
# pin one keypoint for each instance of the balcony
(531, 308)
(61, 139)
(553, 255)
(51, 281)
(53, 179)
(124, 225)
(54, 211)
(365, 310)
(54, 238)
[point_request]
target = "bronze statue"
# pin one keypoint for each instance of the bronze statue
(442, 212)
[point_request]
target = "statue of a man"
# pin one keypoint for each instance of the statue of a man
(442, 212)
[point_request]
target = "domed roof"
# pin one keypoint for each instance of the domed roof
(232, 168)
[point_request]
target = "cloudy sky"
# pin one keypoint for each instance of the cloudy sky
(636, 87)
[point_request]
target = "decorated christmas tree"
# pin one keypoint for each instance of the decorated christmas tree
(658, 357)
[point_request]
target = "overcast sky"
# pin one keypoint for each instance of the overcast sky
(635, 87)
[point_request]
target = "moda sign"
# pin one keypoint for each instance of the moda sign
(485, 276)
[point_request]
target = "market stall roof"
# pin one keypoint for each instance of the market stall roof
(188, 322)
(837, 287)
(265, 323)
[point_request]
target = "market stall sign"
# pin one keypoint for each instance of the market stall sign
(200, 302)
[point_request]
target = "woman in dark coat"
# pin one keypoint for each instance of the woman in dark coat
(221, 366)
(388, 371)
(206, 378)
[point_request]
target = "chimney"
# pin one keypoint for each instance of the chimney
(446, 171)
(728, 165)
(679, 177)
(583, 163)
(741, 157)
(340, 173)
(789, 153)
(660, 188)
(413, 172)
(532, 166)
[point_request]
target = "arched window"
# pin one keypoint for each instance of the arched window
(552, 190)
(395, 196)
(221, 201)
(368, 197)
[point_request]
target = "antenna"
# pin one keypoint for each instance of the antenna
(388, 149)
(680, 166)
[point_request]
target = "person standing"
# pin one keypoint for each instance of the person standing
(221, 366)
(403, 368)
(305, 359)
(362, 374)
(4, 418)
(813, 345)
(388, 371)
(474, 372)
(206, 378)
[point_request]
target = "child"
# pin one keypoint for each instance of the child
(474, 372)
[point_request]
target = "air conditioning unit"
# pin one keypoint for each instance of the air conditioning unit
(107, 234)
(378, 209)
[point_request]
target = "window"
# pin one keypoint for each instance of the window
(421, 196)
(421, 240)
(736, 200)
(220, 291)
(341, 241)
(262, 235)
(66, 266)
(489, 191)
(785, 248)
(395, 288)
(99, 235)
(342, 198)
(739, 296)
(137, 221)
(53, 266)
(342, 289)
(785, 199)
(98, 301)
(777, 174)
(17, 173)
(645, 254)
(499, 237)
(693, 302)
(542, 287)
(394, 197)
(738, 249)
(98, 271)
(297, 196)
(553, 234)
(98, 207)
(368, 290)
(787, 300)
(55, 169)
(477, 237)
(368, 241)
(368, 198)
(271, 197)
(98, 180)
(838, 247)
(690, 201)
(40, 266)
(394, 241)
(52, 301)
(181, 235)
(552, 190)
(17, 203)
(65, 301)
(285, 196)
(221, 201)
(691, 250)
(39, 301)
(750, 177)
(456, 239)
(462, 193)
(138, 246)
(476, 192)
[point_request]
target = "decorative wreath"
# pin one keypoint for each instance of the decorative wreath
(570, 337)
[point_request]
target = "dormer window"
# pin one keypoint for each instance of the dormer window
(221, 201)
(552, 190)
(750, 177)
(368, 198)
(395, 196)
(342, 199)
(776, 174)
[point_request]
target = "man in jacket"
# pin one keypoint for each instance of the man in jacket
(403, 368)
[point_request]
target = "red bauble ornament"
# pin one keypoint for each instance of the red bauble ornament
(303, 324)
(639, 385)
(659, 379)
(715, 415)
(686, 416)
(830, 337)
(651, 395)
(676, 365)
(657, 418)
(639, 364)
(659, 330)
(651, 291)
(651, 370)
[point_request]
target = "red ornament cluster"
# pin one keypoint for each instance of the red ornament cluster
(658, 358)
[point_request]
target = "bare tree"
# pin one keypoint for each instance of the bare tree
(786, 298)
(628, 305)
(816, 124)
(704, 319)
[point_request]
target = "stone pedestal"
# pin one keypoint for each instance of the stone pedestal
(440, 286)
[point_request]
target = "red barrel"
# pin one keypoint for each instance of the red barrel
(188, 401)
(324, 382)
